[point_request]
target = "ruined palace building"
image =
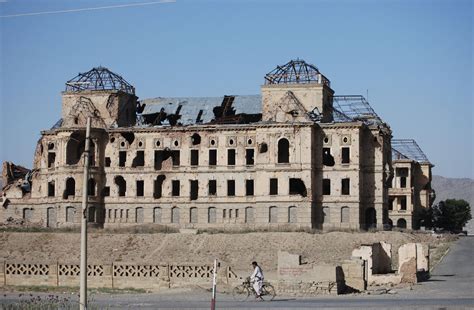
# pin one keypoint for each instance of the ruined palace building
(296, 156)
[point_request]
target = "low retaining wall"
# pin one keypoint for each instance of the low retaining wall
(115, 275)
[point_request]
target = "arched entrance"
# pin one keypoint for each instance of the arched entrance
(401, 223)
(370, 218)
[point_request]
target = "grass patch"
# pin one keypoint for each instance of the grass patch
(71, 290)
(246, 230)
(36, 229)
(140, 229)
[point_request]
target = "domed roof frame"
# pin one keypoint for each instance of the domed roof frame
(296, 72)
(99, 78)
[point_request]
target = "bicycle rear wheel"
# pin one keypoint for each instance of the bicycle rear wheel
(268, 292)
(240, 293)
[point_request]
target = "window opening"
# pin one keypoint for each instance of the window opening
(297, 187)
(283, 151)
(345, 186)
(231, 157)
(212, 187)
(140, 188)
(326, 187)
(249, 156)
(230, 187)
(212, 157)
(249, 187)
(175, 188)
(194, 157)
(273, 186)
(194, 186)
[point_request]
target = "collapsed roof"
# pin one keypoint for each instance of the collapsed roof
(99, 78)
(408, 149)
(296, 72)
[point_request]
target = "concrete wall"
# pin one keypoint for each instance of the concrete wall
(116, 275)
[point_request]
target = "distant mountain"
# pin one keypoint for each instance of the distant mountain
(454, 188)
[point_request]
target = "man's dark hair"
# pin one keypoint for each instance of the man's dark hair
(254, 263)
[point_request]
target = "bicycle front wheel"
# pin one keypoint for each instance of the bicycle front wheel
(240, 293)
(268, 292)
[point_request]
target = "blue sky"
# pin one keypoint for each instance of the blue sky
(414, 57)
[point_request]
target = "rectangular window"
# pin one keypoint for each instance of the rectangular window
(212, 187)
(194, 157)
(122, 158)
(403, 182)
(326, 187)
(230, 187)
(194, 188)
(51, 159)
(51, 189)
(273, 186)
(212, 157)
(231, 157)
(346, 155)
(224, 213)
(390, 204)
(140, 188)
(249, 157)
(249, 187)
(107, 161)
(403, 203)
(345, 187)
(106, 191)
(175, 187)
(236, 213)
(175, 155)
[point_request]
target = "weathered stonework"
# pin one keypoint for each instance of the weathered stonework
(292, 164)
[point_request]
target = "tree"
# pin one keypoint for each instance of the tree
(451, 214)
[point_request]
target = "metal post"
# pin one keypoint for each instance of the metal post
(83, 275)
(213, 300)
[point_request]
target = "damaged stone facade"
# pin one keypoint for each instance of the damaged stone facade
(286, 158)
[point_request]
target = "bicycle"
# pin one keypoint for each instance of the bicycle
(242, 291)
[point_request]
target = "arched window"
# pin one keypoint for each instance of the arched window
(121, 185)
(273, 215)
(401, 223)
(139, 218)
(211, 215)
(193, 215)
(345, 215)
(249, 216)
(283, 151)
(51, 218)
(70, 212)
(292, 218)
(157, 215)
(175, 215)
(326, 215)
(70, 188)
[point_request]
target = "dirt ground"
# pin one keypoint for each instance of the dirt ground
(235, 250)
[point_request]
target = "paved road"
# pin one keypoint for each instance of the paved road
(450, 287)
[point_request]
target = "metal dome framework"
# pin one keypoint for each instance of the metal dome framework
(296, 72)
(99, 78)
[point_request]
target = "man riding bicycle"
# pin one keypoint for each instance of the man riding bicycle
(257, 278)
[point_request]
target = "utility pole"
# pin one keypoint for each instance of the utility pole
(85, 183)
(214, 284)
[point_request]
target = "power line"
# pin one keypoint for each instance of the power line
(90, 9)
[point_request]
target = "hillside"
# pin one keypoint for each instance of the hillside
(455, 188)
(236, 250)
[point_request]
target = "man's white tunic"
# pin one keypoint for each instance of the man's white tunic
(257, 278)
